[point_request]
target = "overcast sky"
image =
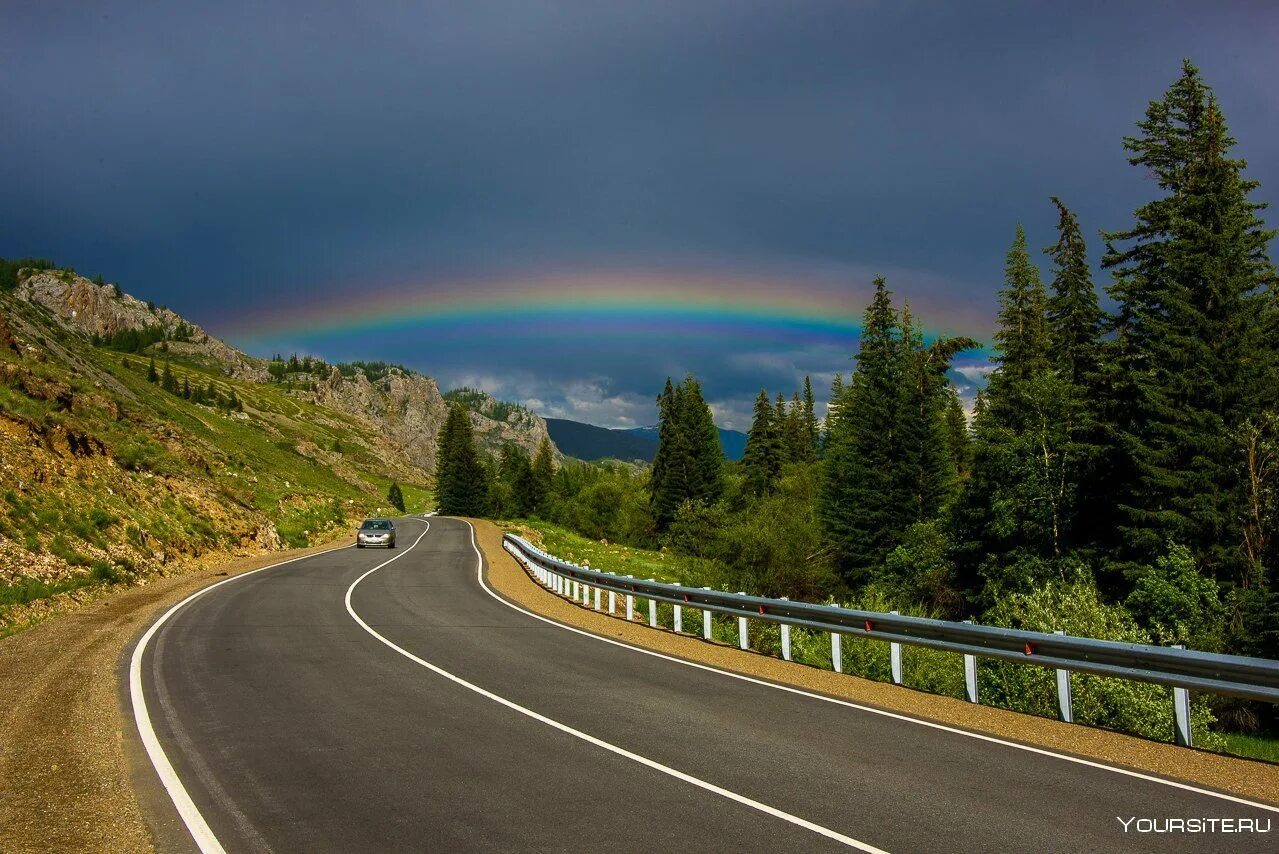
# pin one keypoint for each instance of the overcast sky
(236, 163)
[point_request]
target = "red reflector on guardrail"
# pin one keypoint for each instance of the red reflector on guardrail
(1030, 648)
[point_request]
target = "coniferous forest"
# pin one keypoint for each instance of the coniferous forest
(1116, 477)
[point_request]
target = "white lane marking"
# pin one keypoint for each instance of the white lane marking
(931, 724)
(590, 739)
(187, 810)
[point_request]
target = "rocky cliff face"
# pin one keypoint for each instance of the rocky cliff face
(409, 411)
(405, 410)
(101, 310)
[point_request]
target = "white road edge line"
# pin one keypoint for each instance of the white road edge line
(187, 810)
(885, 713)
(590, 739)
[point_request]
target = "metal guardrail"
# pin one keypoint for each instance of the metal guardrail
(1182, 669)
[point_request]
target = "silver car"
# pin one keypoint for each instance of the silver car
(376, 532)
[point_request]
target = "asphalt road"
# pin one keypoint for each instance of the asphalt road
(294, 727)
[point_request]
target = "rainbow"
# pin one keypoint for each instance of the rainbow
(603, 306)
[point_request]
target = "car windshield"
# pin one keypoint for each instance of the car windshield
(376, 525)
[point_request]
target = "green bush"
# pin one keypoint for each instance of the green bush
(1074, 606)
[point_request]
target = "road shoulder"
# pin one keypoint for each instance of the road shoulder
(1242, 777)
(70, 779)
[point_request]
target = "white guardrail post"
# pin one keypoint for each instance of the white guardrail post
(597, 598)
(706, 621)
(612, 602)
(679, 619)
(742, 640)
(1065, 706)
(895, 659)
(652, 610)
(836, 653)
(1181, 712)
(786, 636)
(970, 675)
(630, 607)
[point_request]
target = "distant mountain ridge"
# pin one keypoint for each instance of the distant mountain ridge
(589, 442)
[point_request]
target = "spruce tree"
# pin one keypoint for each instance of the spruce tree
(152, 376)
(167, 381)
(689, 461)
(1074, 316)
(858, 502)
(785, 429)
(1193, 343)
(543, 472)
(762, 458)
(812, 437)
(461, 479)
(395, 496)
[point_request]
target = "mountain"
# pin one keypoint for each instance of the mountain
(133, 442)
(732, 441)
(588, 442)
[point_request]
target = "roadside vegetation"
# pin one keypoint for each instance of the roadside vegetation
(1117, 478)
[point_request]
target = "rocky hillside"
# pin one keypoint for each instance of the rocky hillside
(404, 409)
(133, 442)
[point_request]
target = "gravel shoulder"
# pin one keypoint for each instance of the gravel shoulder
(67, 769)
(1247, 778)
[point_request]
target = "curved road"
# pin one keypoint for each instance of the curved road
(328, 704)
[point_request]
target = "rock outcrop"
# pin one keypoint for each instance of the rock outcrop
(102, 310)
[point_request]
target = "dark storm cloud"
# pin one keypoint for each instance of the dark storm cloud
(213, 156)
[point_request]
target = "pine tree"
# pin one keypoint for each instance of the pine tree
(959, 441)
(186, 389)
(811, 438)
(762, 458)
(1074, 316)
(1193, 345)
(1017, 516)
(152, 376)
(543, 472)
(785, 422)
(859, 502)
(167, 382)
(689, 461)
(461, 479)
(396, 496)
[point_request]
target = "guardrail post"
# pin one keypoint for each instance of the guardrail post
(612, 602)
(652, 610)
(630, 607)
(970, 675)
(679, 619)
(1181, 712)
(597, 598)
(836, 653)
(706, 621)
(895, 658)
(742, 640)
(1065, 706)
(786, 636)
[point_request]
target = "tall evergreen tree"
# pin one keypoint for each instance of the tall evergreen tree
(859, 502)
(1014, 520)
(811, 437)
(689, 461)
(152, 376)
(1193, 348)
(762, 458)
(461, 479)
(543, 471)
(1073, 313)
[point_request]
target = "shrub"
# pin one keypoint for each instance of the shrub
(1074, 606)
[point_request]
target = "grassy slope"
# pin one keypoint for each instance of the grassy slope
(151, 477)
